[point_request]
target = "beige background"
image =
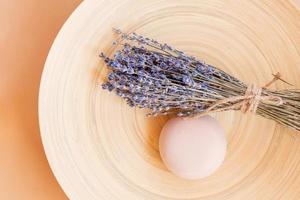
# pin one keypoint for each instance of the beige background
(100, 148)
(28, 28)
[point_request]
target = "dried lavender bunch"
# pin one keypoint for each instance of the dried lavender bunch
(153, 75)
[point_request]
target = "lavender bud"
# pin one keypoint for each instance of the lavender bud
(187, 80)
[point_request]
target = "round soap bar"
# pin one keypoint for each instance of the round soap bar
(192, 148)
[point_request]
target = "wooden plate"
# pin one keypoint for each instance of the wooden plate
(99, 148)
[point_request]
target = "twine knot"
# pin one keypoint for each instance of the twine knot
(248, 102)
(253, 97)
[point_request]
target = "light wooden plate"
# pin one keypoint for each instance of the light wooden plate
(99, 148)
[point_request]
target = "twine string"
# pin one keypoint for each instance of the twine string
(248, 102)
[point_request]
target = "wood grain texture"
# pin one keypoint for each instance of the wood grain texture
(99, 148)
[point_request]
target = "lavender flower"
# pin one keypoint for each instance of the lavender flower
(156, 76)
(153, 75)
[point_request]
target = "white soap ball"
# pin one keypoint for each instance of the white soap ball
(192, 148)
